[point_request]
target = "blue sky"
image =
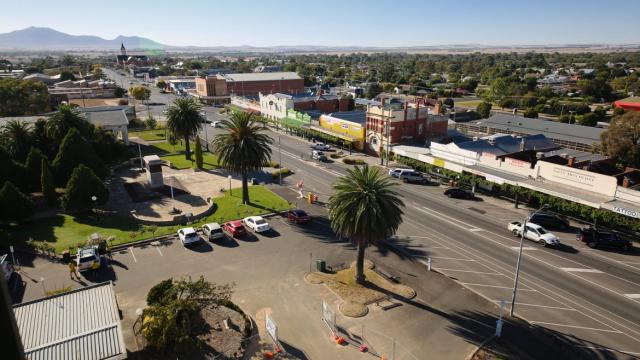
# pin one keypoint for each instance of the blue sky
(337, 22)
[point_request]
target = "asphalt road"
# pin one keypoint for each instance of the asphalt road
(592, 295)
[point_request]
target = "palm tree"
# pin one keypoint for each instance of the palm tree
(365, 209)
(184, 120)
(243, 147)
(66, 118)
(17, 137)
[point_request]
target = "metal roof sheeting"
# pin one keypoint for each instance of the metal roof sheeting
(260, 76)
(80, 324)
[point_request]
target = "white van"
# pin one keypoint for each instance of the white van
(397, 172)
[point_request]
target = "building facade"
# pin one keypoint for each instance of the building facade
(255, 83)
(349, 126)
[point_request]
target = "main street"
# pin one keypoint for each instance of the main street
(593, 295)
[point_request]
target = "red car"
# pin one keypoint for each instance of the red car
(234, 228)
(298, 216)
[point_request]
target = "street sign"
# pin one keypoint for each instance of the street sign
(272, 328)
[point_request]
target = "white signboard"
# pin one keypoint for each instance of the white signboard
(626, 212)
(272, 329)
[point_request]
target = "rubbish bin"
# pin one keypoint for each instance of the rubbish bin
(66, 256)
(321, 265)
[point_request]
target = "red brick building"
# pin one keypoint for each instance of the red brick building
(254, 83)
(410, 122)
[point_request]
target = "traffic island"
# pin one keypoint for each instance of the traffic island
(379, 287)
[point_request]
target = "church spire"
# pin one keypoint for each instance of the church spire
(122, 49)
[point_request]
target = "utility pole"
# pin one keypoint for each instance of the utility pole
(388, 139)
(280, 160)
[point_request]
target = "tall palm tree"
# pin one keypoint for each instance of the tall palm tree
(243, 147)
(17, 137)
(184, 120)
(65, 118)
(365, 209)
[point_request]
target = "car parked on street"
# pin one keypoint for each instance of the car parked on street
(321, 147)
(318, 155)
(534, 232)
(212, 231)
(298, 216)
(256, 223)
(414, 177)
(459, 193)
(234, 228)
(595, 238)
(188, 236)
(550, 221)
(397, 172)
(88, 258)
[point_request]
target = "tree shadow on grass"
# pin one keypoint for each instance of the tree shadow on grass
(38, 229)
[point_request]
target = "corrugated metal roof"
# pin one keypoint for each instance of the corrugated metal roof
(551, 129)
(81, 324)
(260, 76)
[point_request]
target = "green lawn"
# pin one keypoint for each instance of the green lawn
(175, 154)
(149, 135)
(64, 231)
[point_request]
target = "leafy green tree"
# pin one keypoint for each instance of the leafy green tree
(33, 166)
(17, 137)
(66, 118)
(118, 92)
(622, 140)
(530, 113)
(373, 89)
(150, 122)
(484, 109)
(23, 97)
(184, 120)
(448, 102)
(14, 205)
(161, 84)
(82, 186)
(140, 93)
(597, 88)
(170, 321)
(243, 147)
(67, 75)
(75, 150)
(589, 119)
(365, 209)
(198, 153)
(48, 187)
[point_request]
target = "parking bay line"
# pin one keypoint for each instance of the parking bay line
(574, 326)
(132, 254)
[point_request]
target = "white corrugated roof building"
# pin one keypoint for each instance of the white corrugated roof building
(80, 324)
(260, 76)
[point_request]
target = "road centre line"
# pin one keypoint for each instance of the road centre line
(556, 293)
(574, 326)
(438, 215)
(132, 254)
(469, 271)
(475, 229)
(633, 296)
(595, 271)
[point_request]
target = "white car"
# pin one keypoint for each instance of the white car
(212, 231)
(188, 236)
(535, 233)
(88, 258)
(321, 147)
(216, 124)
(397, 172)
(256, 223)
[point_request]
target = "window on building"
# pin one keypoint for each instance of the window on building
(420, 129)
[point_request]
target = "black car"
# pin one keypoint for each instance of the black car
(459, 193)
(550, 221)
(595, 238)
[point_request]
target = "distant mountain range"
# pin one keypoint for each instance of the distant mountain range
(47, 39)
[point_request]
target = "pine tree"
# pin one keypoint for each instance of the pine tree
(14, 205)
(82, 186)
(198, 153)
(48, 188)
(75, 150)
(33, 168)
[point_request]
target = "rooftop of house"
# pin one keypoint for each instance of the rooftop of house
(356, 116)
(268, 76)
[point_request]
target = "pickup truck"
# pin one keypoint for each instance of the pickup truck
(534, 232)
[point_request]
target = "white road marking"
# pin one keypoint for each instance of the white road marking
(476, 229)
(132, 254)
(607, 349)
(633, 296)
(159, 252)
(469, 271)
(524, 248)
(450, 258)
(497, 287)
(586, 270)
(542, 306)
(574, 326)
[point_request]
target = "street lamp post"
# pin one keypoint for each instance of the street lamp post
(515, 281)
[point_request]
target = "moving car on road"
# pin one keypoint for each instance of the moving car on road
(318, 155)
(298, 216)
(234, 228)
(321, 147)
(534, 232)
(397, 172)
(256, 223)
(212, 231)
(188, 236)
(595, 238)
(413, 177)
(88, 258)
(459, 193)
